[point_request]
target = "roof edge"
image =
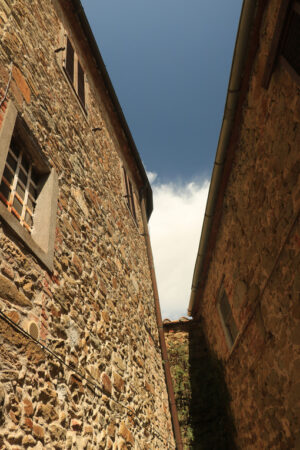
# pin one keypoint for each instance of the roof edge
(79, 11)
(233, 91)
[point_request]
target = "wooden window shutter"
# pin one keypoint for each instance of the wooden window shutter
(70, 61)
(81, 93)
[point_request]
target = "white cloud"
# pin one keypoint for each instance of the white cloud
(151, 176)
(175, 228)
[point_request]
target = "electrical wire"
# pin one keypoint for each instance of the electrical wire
(90, 384)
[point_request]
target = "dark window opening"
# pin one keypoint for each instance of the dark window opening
(70, 61)
(228, 321)
(81, 93)
(129, 195)
(132, 201)
(75, 72)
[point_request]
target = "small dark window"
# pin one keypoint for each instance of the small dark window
(70, 60)
(81, 84)
(129, 194)
(74, 71)
(227, 318)
(126, 187)
(132, 201)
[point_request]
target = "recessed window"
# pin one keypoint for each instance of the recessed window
(227, 319)
(129, 195)
(19, 185)
(28, 187)
(74, 71)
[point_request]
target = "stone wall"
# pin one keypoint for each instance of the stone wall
(201, 394)
(177, 341)
(257, 255)
(97, 381)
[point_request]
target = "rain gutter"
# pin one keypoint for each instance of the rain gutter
(79, 11)
(234, 87)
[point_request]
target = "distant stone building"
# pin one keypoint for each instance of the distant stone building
(80, 328)
(177, 335)
(246, 284)
(201, 394)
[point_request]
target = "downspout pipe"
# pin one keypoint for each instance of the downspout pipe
(234, 86)
(166, 364)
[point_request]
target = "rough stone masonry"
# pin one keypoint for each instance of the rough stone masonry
(253, 253)
(98, 380)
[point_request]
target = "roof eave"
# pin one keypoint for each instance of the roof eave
(79, 11)
(233, 92)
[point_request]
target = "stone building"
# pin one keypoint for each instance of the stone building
(246, 282)
(81, 361)
(201, 394)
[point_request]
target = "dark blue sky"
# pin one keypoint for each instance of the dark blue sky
(169, 62)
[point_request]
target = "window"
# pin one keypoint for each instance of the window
(19, 185)
(28, 188)
(129, 195)
(227, 319)
(74, 71)
(286, 41)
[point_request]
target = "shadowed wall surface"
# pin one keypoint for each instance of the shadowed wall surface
(253, 249)
(202, 398)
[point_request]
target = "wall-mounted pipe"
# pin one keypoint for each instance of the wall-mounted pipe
(234, 86)
(173, 409)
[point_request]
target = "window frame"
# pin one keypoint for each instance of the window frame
(41, 239)
(129, 195)
(230, 334)
(287, 8)
(27, 200)
(80, 90)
